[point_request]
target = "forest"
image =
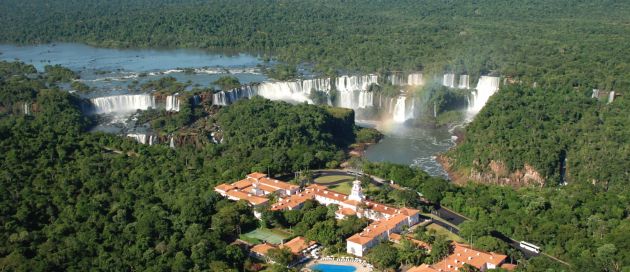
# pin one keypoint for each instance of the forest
(73, 199)
(553, 43)
(563, 133)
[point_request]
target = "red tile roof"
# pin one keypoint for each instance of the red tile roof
(254, 200)
(256, 175)
(262, 249)
(462, 254)
(297, 244)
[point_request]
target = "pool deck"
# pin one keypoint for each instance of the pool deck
(360, 267)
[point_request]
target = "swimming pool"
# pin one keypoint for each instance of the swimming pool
(333, 268)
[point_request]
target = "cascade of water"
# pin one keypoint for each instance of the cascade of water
(151, 140)
(172, 142)
(140, 138)
(122, 103)
(27, 109)
(595, 94)
(464, 82)
(353, 92)
(172, 102)
(449, 80)
(317, 84)
(486, 87)
(611, 96)
(291, 91)
(355, 83)
(415, 79)
(410, 111)
(224, 98)
(399, 115)
(396, 79)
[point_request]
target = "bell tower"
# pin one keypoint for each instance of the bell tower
(357, 192)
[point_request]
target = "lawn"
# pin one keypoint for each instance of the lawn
(343, 188)
(331, 179)
(346, 187)
(442, 231)
(272, 236)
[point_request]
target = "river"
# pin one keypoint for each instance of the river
(111, 71)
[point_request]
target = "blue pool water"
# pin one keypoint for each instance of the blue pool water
(333, 268)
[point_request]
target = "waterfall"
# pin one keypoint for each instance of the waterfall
(412, 79)
(355, 83)
(486, 87)
(356, 99)
(400, 110)
(611, 96)
(171, 143)
(415, 79)
(435, 109)
(595, 94)
(353, 91)
(396, 79)
(290, 91)
(464, 82)
(224, 98)
(122, 103)
(27, 109)
(140, 138)
(172, 102)
(449, 80)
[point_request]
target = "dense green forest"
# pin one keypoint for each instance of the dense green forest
(73, 200)
(542, 128)
(557, 42)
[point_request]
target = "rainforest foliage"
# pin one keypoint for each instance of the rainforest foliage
(74, 200)
(558, 42)
(543, 127)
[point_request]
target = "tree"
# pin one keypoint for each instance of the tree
(227, 82)
(383, 256)
(410, 253)
(433, 189)
(281, 256)
(440, 248)
(324, 232)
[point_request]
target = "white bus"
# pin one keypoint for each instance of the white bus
(530, 246)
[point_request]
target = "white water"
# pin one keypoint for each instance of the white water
(412, 79)
(123, 103)
(449, 80)
(396, 79)
(355, 83)
(402, 112)
(415, 79)
(290, 91)
(171, 143)
(140, 138)
(353, 92)
(595, 93)
(464, 82)
(611, 96)
(356, 99)
(486, 87)
(172, 102)
(27, 109)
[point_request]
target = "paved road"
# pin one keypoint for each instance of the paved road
(456, 219)
(442, 212)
